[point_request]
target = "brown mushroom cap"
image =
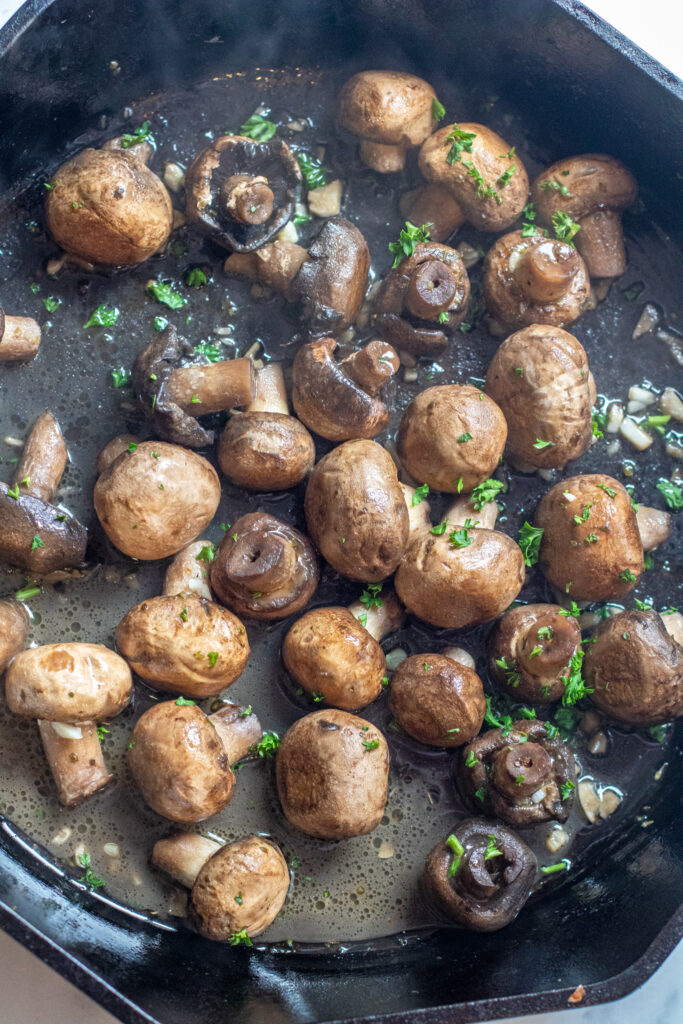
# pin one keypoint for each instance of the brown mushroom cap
(14, 623)
(23, 518)
(264, 568)
(331, 282)
(253, 869)
(437, 700)
(540, 379)
(457, 587)
(451, 437)
(475, 178)
(265, 451)
(434, 206)
(68, 682)
(591, 548)
(183, 644)
(355, 511)
(107, 207)
(328, 652)
(636, 669)
(153, 501)
(332, 775)
(534, 280)
(179, 763)
(536, 643)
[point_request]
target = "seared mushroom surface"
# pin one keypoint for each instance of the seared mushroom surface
(434, 207)
(14, 622)
(437, 700)
(530, 652)
(19, 338)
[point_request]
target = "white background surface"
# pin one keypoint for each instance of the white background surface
(31, 993)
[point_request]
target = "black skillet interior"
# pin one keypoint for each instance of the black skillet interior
(616, 922)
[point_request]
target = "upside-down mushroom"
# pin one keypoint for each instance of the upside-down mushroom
(437, 700)
(19, 338)
(530, 652)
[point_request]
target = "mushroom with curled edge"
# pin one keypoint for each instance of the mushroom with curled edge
(36, 535)
(480, 876)
(590, 547)
(334, 654)
(237, 889)
(173, 395)
(339, 401)
(332, 772)
(264, 448)
(180, 758)
(534, 280)
(19, 338)
(67, 688)
(592, 189)
(519, 774)
(480, 170)
(328, 280)
(422, 301)
(636, 668)
(391, 112)
(240, 192)
(14, 623)
(264, 568)
(530, 650)
(355, 511)
(540, 379)
(437, 700)
(451, 437)
(155, 498)
(435, 207)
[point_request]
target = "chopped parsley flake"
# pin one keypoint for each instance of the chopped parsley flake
(408, 239)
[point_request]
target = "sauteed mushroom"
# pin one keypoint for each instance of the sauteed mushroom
(19, 338)
(437, 700)
(530, 651)
(14, 622)
(434, 206)
(188, 571)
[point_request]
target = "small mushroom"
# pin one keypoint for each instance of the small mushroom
(152, 501)
(534, 280)
(19, 338)
(172, 396)
(237, 889)
(480, 170)
(437, 700)
(334, 653)
(332, 771)
(240, 192)
(339, 400)
(105, 206)
(591, 189)
(264, 448)
(590, 548)
(636, 669)
(519, 774)
(451, 437)
(14, 623)
(530, 652)
(435, 207)
(422, 302)
(540, 379)
(480, 876)
(355, 511)
(391, 111)
(264, 568)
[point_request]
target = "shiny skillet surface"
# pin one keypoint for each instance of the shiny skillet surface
(366, 887)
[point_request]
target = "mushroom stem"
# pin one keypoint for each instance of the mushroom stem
(19, 338)
(460, 655)
(545, 272)
(238, 730)
(418, 512)
(518, 771)
(372, 366)
(463, 509)
(654, 526)
(381, 157)
(76, 763)
(431, 289)
(673, 624)
(247, 198)
(183, 855)
(199, 390)
(380, 620)
(601, 243)
(14, 620)
(43, 459)
(187, 574)
(270, 393)
(275, 264)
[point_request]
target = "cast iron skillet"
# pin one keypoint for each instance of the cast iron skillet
(585, 87)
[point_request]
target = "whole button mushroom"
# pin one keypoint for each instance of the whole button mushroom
(240, 192)
(437, 700)
(590, 548)
(435, 207)
(391, 111)
(19, 338)
(531, 648)
(264, 568)
(156, 498)
(636, 669)
(592, 190)
(355, 511)
(480, 876)
(480, 170)
(423, 300)
(339, 401)
(237, 889)
(519, 774)
(451, 437)
(540, 379)
(264, 448)
(534, 280)
(14, 623)
(332, 772)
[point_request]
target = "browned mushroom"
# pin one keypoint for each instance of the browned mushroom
(435, 207)
(14, 622)
(19, 338)
(112, 449)
(437, 700)
(530, 652)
